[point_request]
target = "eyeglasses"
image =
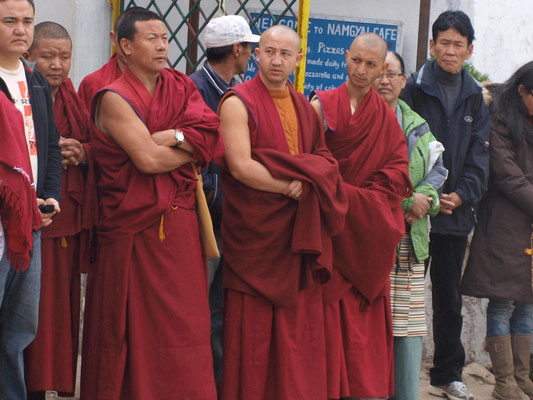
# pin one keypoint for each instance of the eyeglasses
(390, 75)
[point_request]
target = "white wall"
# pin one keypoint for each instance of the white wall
(504, 33)
(88, 23)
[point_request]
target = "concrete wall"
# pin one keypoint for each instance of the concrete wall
(88, 23)
(504, 36)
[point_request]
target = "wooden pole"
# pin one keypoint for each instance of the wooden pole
(423, 33)
(192, 35)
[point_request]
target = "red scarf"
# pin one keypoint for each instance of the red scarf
(18, 204)
(268, 237)
(372, 154)
(78, 188)
(99, 79)
(130, 200)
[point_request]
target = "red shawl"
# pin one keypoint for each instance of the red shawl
(99, 79)
(372, 154)
(130, 200)
(72, 120)
(268, 237)
(18, 204)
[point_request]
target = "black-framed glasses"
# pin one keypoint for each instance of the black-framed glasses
(390, 75)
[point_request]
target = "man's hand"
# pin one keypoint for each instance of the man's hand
(409, 217)
(294, 190)
(47, 218)
(421, 205)
(72, 152)
(449, 202)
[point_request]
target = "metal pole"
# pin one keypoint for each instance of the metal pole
(303, 30)
(423, 33)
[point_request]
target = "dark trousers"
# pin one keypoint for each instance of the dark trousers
(447, 254)
(216, 300)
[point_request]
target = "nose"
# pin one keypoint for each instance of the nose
(55, 64)
(162, 44)
(276, 59)
(19, 28)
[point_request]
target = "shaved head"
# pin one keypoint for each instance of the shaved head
(48, 30)
(282, 30)
(371, 40)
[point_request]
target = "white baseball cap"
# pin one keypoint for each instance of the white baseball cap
(228, 30)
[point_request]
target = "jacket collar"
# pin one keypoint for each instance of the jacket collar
(216, 80)
(28, 65)
(427, 81)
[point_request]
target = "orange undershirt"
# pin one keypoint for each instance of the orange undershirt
(287, 113)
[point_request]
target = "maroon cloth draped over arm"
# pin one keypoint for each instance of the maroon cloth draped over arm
(372, 154)
(18, 204)
(78, 189)
(135, 200)
(268, 237)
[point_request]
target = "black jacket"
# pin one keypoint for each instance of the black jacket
(46, 133)
(465, 136)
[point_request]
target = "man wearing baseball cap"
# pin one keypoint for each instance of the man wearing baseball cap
(228, 40)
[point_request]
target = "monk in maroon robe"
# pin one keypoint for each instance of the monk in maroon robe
(51, 359)
(364, 136)
(283, 203)
(147, 332)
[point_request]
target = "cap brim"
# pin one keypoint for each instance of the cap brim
(252, 38)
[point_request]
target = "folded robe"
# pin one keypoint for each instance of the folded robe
(372, 154)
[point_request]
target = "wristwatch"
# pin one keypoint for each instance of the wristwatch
(178, 135)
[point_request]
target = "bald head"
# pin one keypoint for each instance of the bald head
(48, 30)
(372, 41)
(282, 31)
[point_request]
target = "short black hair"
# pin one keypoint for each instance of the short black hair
(48, 30)
(400, 60)
(121, 16)
(217, 54)
(453, 19)
(126, 27)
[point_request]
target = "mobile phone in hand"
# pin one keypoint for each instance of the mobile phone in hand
(46, 208)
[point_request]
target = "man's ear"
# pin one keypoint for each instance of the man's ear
(125, 46)
(470, 50)
(432, 48)
(385, 67)
(27, 56)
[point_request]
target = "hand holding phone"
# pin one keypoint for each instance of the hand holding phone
(46, 208)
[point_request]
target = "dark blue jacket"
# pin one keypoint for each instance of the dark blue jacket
(212, 87)
(465, 136)
(46, 133)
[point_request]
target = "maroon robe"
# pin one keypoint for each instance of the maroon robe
(372, 154)
(18, 201)
(147, 333)
(97, 80)
(277, 252)
(51, 359)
